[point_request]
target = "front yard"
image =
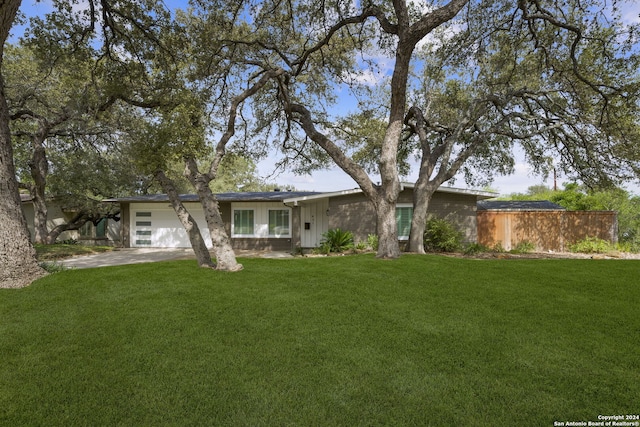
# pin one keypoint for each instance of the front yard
(340, 341)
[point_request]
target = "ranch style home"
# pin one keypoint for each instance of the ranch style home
(105, 232)
(286, 220)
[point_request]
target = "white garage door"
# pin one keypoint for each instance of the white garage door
(160, 228)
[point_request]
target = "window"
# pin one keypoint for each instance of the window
(90, 231)
(86, 230)
(101, 229)
(143, 236)
(243, 224)
(279, 222)
(404, 214)
(146, 223)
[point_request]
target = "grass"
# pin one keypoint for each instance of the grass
(340, 341)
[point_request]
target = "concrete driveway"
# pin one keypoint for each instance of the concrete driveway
(141, 255)
(127, 256)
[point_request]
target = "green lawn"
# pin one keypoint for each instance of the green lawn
(340, 341)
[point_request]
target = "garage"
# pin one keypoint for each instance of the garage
(153, 226)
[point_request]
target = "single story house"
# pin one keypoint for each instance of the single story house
(546, 225)
(106, 232)
(286, 220)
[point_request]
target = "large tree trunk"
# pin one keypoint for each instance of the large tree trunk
(190, 225)
(388, 247)
(39, 169)
(387, 230)
(225, 256)
(422, 193)
(40, 213)
(18, 264)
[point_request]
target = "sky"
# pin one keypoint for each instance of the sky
(335, 179)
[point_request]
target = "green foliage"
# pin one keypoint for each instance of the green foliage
(322, 249)
(442, 236)
(361, 246)
(53, 266)
(592, 245)
(68, 242)
(524, 247)
(337, 240)
(240, 173)
(363, 136)
(476, 248)
(498, 248)
(372, 241)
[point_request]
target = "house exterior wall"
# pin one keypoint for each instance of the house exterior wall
(225, 213)
(356, 213)
(547, 230)
(56, 216)
(309, 219)
(459, 209)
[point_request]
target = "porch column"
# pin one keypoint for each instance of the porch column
(296, 241)
(125, 221)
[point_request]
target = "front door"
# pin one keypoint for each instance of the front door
(314, 221)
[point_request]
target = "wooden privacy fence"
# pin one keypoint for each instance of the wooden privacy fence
(547, 230)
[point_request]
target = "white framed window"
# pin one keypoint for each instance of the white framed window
(279, 223)
(243, 222)
(404, 215)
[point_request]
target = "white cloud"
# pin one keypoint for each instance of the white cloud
(630, 12)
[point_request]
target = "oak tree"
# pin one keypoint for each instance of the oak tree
(18, 264)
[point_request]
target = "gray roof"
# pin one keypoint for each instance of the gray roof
(518, 205)
(262, 196)
(281, 196)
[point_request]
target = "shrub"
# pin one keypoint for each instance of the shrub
(592, 245)
(361, 246)
(476, 248)
(442, 236)
(337, 240)
(53, 267)
(68, 242)
(498, 248)
(323, 249)
(524, 247)
(372, 241)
